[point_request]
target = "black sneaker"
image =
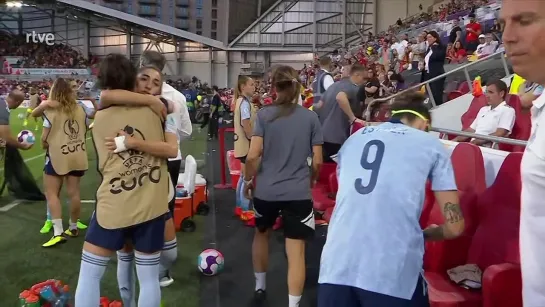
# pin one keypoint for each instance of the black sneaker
(259, 299)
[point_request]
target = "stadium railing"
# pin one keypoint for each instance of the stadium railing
(464, 68)
(488, 138)
(224, 184)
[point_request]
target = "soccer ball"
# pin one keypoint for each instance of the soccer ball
(26, 137)
(21, 116)
(210, 262)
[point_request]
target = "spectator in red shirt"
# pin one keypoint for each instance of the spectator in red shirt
(473, 30)
(456, 54)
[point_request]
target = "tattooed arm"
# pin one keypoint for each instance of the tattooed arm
(454, 219)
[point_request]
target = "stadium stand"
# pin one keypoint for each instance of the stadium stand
(40, 55)
(496, 255)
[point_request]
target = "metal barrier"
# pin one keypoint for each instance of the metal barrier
(463, 68)
(489, 138)
(223, 178)
(494, 139)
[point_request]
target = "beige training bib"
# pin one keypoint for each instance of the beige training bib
(67, 150)
(135, 185)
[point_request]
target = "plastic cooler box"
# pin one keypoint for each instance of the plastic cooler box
(234, 166)
(200, 196)
(182, 211)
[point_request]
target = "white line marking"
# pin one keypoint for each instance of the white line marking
(37, 157)
(29, 159)
(10, 206)
(87, 201)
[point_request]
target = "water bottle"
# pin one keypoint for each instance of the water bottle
(48, 294)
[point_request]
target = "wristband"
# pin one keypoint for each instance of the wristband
(120, 144)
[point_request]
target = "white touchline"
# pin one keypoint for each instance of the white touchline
(10, 206)
(87, 201)
(35, 157)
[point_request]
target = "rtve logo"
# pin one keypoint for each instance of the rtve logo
(47, 38)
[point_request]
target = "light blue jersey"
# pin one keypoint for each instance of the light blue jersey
(374, 240)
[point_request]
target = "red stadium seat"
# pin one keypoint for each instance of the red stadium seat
(468, 164)
(320, 192)
(453, 95)
(522, 127)
(356, 127)
(469, 116)
(327, 169)
(333, 183)
(494, 248)
(464, 87)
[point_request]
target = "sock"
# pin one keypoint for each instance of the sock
(168, 257)
(294, 300)
(260, 281)
(240, 184)
(48, 214)
(73, 225)
(126, 278)
(147, 269)
(57, 227)
(91, 271)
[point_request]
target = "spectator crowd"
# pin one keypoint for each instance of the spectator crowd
(40, 55)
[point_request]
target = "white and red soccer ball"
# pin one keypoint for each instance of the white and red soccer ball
(26, 137)
(210, 262)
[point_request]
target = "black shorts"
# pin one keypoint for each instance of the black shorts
(174, 171)
(49, 170)
(297, 217)
(330, 149)
(338, 295)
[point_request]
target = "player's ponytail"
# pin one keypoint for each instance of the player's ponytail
(288, 88)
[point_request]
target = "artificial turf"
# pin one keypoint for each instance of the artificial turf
(23, 262)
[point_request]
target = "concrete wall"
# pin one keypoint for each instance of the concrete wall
(388, 11)
(223, 71)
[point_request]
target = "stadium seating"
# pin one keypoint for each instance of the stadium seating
(321, 191)
(463, 87)
(522, 127)
(468, 163)
(494, 248)
(469, 116)
(454, 94)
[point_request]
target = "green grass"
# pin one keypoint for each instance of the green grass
(25, 262)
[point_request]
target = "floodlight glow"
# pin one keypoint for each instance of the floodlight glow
(16, 4)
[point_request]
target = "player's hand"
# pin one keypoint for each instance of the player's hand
(45, 145)
(432, 226)
(158, 107)
(249, 190)
(109, 142)
(359, 121)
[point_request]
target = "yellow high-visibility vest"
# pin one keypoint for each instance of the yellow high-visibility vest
(515, 84)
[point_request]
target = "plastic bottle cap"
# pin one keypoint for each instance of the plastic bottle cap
(32, 299)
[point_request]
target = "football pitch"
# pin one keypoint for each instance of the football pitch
(24, 262)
